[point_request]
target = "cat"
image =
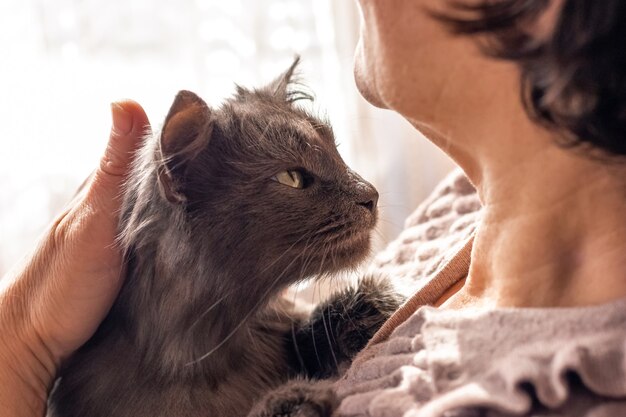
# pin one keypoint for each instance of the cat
(223, 210)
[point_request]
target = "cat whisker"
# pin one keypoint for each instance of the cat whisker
(253, 339)
(379, 234)
(229, 293)
(382, 219)
(211, 307)
(295, 345)
(305, 265)
(247, 316)
(331, 230)
(328, 226)
(328, 222)
(329, 332)
(307, 262)
(286, 251)
(325, 254)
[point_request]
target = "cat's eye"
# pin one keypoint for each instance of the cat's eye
(291, 178)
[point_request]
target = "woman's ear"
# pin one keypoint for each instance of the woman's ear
(186, 131)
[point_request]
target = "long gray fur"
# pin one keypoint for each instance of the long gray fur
(211, 242)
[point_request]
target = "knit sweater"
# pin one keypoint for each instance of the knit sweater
(427, 362)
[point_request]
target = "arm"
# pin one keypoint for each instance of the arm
(51, 304)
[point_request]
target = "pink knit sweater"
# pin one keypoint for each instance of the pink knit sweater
(427, 362)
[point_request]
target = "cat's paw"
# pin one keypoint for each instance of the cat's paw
(298, 399)
(364, 309)
(340, 328)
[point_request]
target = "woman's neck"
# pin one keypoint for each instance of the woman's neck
(552, 234)
(553, 231)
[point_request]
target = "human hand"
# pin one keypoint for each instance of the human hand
(53, 303)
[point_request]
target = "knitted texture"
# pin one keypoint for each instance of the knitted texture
(433, 234)
(495, 363)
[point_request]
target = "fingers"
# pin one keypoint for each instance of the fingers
(92, 224)
(93, 213)
(129, 125)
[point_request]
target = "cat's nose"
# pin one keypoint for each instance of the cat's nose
(363, 193)
(369, 199)
(366, 195)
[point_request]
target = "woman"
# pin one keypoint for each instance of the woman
(529, 98)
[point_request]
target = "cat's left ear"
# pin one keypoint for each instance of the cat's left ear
(186, 131)
(279, 87)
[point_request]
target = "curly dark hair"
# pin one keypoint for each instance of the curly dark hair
(574, 79)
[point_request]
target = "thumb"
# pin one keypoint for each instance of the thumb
(130, 125)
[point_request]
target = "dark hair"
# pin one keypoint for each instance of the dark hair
(574, 78)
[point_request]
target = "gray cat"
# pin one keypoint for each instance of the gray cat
(223, 211)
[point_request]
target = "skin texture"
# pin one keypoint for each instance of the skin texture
(552, 232)
(53, 303)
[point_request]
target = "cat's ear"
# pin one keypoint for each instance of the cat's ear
(186, 131)
(279, 87)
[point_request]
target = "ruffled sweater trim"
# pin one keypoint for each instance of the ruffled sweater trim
(569, 361)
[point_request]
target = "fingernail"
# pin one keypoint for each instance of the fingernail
(122, 120)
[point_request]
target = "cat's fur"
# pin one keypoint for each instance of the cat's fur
(212, 240)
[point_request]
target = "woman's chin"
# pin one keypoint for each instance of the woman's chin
(365, 79)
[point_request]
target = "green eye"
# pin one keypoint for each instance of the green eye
(290, 178)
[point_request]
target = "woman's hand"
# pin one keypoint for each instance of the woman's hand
(54, 302)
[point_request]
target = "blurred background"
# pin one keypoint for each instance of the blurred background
(63, 61)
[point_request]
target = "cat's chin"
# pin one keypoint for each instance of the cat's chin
(351, 252)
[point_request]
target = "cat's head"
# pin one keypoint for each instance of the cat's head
(262, 185)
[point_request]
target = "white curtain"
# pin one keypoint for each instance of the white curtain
(63, 61)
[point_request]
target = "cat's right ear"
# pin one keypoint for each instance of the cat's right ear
(279, 87)
(186, 132)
